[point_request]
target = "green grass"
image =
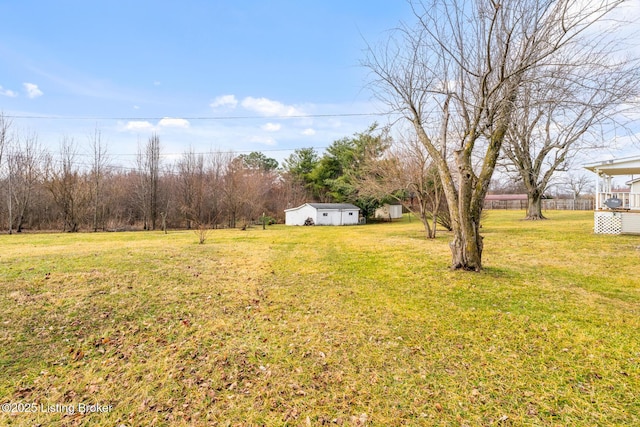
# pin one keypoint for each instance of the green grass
(324, 326)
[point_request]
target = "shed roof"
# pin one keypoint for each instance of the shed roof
(334, 206)
(327, 206)
(623, 166)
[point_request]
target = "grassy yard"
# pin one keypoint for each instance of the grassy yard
(323, 326)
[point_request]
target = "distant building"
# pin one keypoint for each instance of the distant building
(389, 212)
(323, 214)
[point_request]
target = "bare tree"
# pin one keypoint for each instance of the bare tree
(216, 165)
(407, 175)
(291, 192)
(148, 162)
(121, 208)
(256, 188)
(577, 185)
(69, 187)
(232, 190)
(458, 74)
(191, 186)
(5, 140)
(25, 161)
(5, 125)
(563, 113)
(202, 231)
(245, 189)
(99, 165)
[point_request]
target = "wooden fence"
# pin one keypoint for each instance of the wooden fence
(547, 204)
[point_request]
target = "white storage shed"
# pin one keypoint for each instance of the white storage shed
(389, 212)
(323, 214)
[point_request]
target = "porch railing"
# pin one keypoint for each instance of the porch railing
(628, 200)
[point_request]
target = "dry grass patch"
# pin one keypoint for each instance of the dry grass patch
(323, 325)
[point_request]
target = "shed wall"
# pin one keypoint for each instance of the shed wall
(299, 216)
(328, 217)
(389, 212)
(337, 217)
(349, 217)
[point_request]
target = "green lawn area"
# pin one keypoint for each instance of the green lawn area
(361, 325)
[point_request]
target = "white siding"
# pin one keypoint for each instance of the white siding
(395, 211)
(337, 217)
(389, 212)
(323, 214)
(297, 216)
(630, 223)
(328, 217)
(349, 217)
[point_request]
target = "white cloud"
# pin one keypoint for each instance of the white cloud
(224, 101)
(309, 132)
(32, 90)
(266, 140)
(268, 107)
(138, 125)
(8, 92)
(272, 127)
(173, 122)
(165, 123)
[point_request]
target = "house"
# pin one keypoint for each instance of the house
(617, 211)
(389, 212)
(634, 185)
(323, 214)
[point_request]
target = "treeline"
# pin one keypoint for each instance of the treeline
(79, 188)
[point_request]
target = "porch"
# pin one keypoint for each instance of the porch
(617, 210)
(628, 201)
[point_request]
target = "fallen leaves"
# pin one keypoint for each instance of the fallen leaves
(248, 340)
(76, 354)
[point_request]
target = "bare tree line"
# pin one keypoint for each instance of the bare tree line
(41, 190)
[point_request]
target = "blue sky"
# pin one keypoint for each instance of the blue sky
(130, 68)
(204, 75)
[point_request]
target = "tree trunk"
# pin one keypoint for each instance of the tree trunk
(534, 206)
(424, 217)
(465, 206)
(427, 228)
(19, 223)
(466, 246)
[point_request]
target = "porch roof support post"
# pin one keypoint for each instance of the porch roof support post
(597, 206)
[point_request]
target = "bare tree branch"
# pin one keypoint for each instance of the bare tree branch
(477, 56)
